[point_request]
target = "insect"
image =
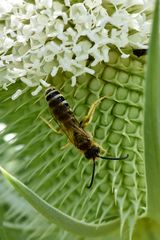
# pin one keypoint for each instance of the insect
(74, 129)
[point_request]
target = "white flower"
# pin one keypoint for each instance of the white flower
(37, 39)
(80, 15)
(44, 3)
(93, 3)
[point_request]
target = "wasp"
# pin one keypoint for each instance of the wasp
(74, 129)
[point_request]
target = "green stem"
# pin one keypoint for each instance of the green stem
(152, 121)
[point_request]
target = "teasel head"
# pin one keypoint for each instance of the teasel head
(85, 50)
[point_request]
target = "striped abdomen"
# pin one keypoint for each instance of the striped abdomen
(59, 107)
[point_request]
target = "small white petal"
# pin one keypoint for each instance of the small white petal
(8, 43)
(19, 72)
(125, 55)
(57, 6)
(2, 64)
(5, 86)
(10, 78)
(21, 39)
(14, 21)
(5, 7)
(44, 83)
(9, 137)
(93, 3)
(19, 147)
(2, 126)
(89, 70)
(48, 3)
(73, 81)
(67, 3)
(36, 91)
(105, 53)
(27, 30)
(79, 14)
(44, 3)
(54, 71)
(17, 94)
(28, 82)
(42, 20)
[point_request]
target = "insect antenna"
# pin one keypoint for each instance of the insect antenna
(108, 158)
(93, 174)
(114, 158)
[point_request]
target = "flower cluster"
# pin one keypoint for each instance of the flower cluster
(38, 40)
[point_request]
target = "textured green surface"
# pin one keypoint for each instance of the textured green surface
(60, 176)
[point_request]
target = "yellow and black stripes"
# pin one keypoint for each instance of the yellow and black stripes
(59, 106)
(54, 97)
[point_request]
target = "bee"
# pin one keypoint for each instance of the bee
(74, 129)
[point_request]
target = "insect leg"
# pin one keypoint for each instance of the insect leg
(88, 118)
(66, 145)
(50, 126)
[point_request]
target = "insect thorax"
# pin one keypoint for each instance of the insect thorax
(85, 144)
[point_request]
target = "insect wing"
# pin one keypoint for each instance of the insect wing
(69, 130)
(75, 134)
(81, 138)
